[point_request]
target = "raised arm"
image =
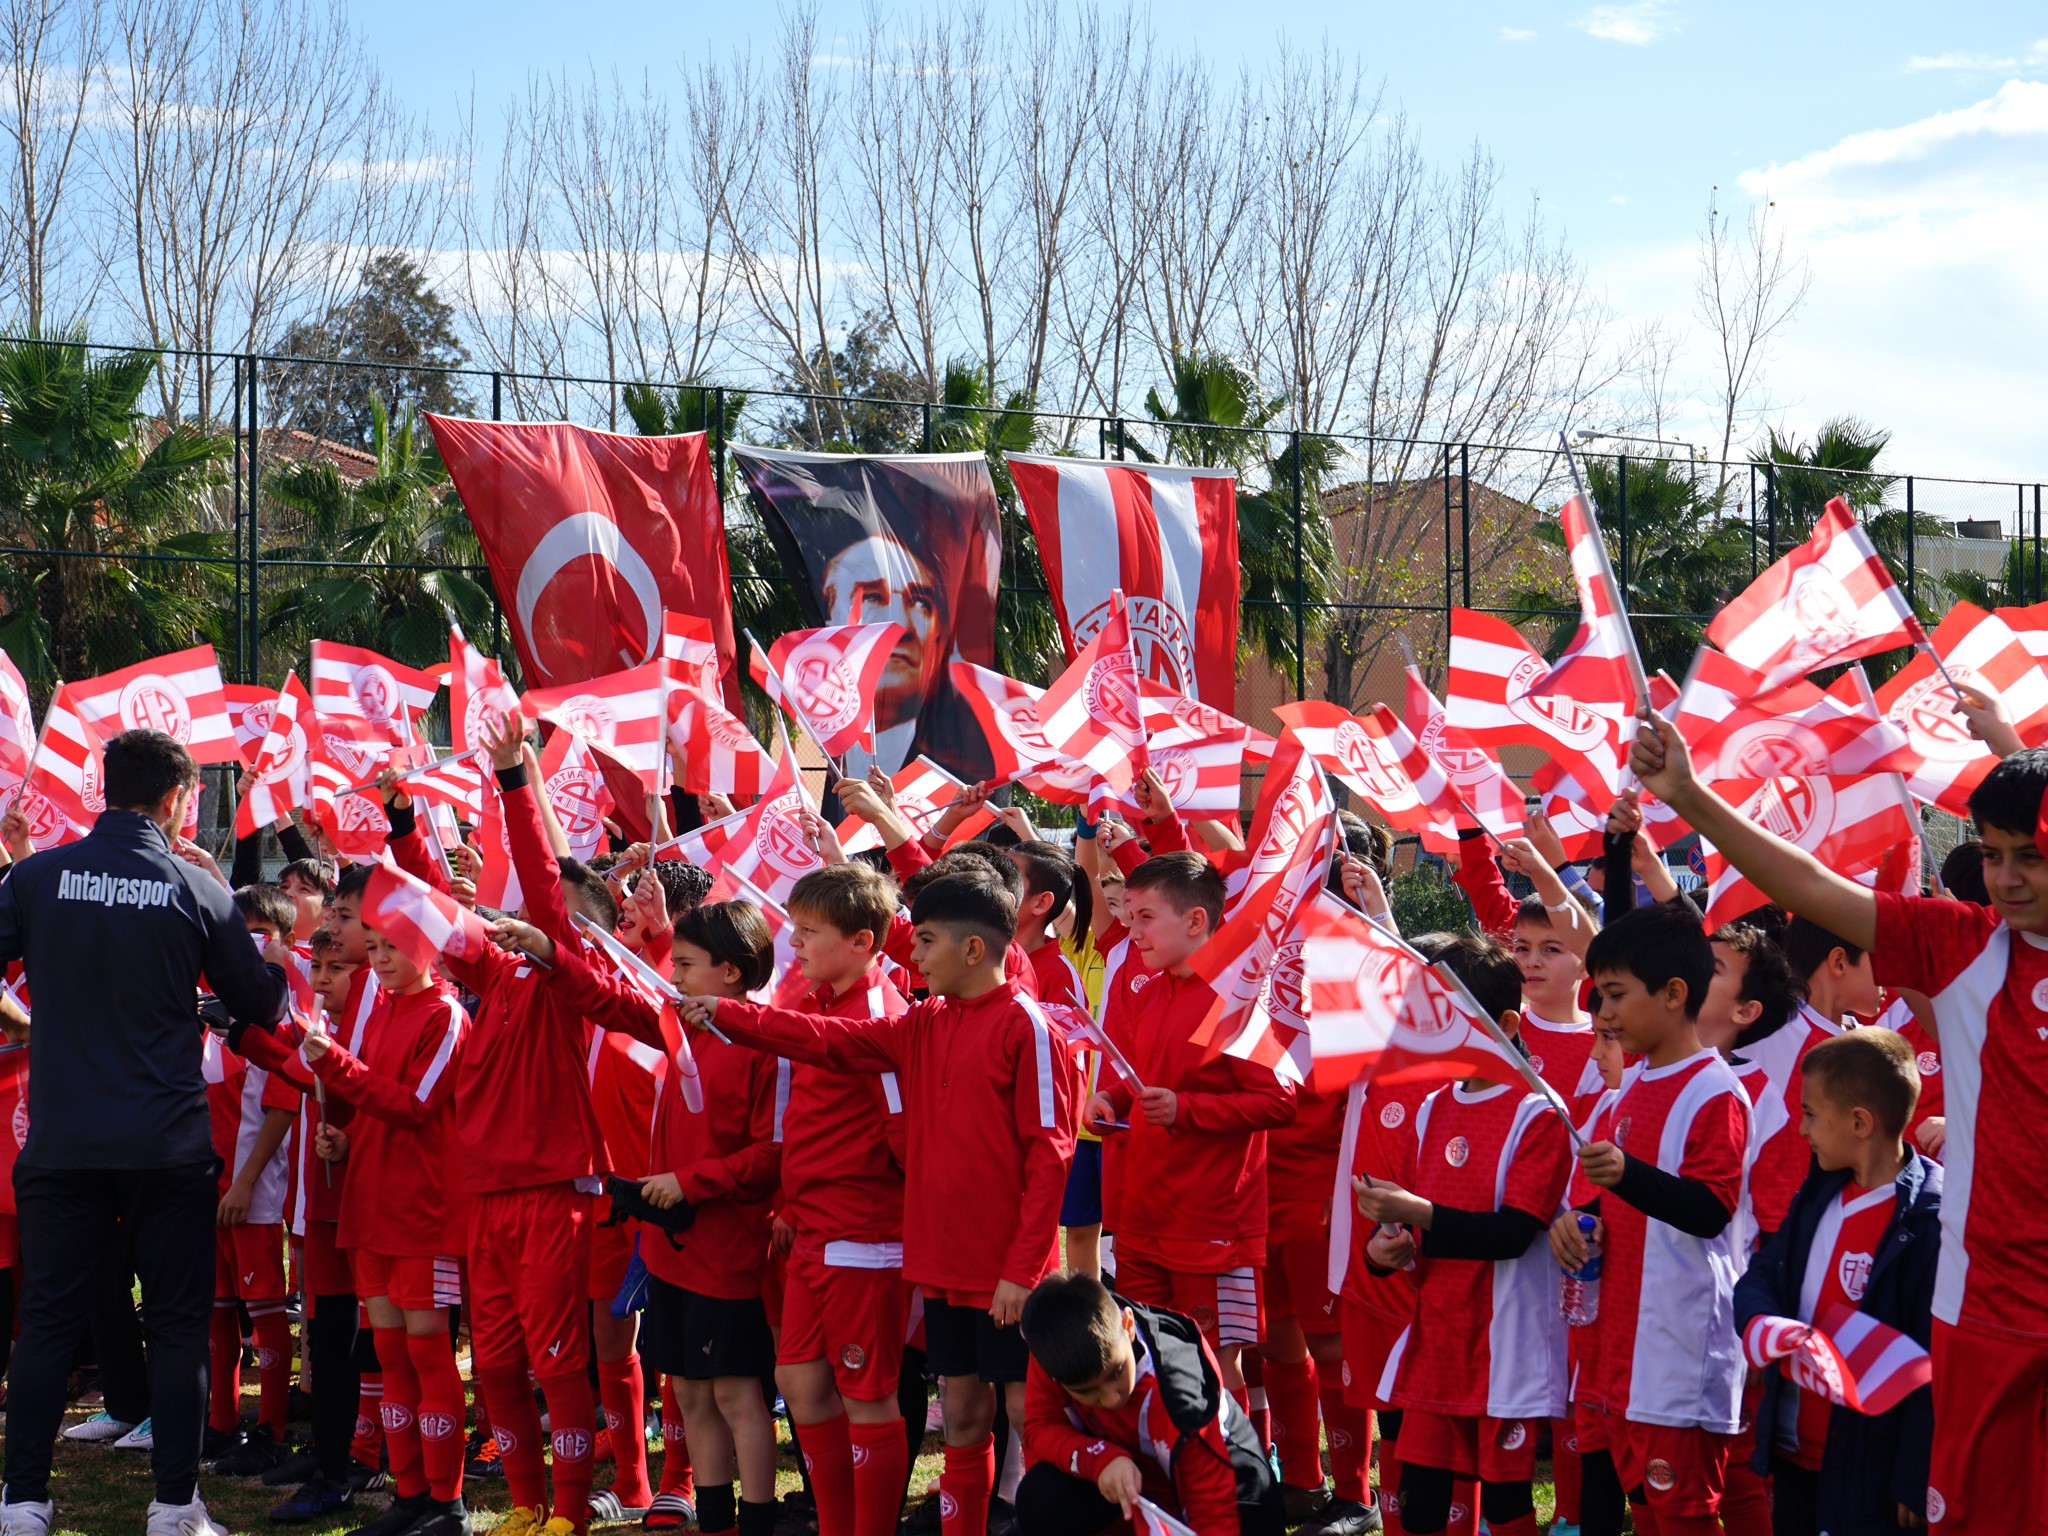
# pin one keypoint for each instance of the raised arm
(844, 1045)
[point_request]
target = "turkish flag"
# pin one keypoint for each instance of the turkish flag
(590, 536)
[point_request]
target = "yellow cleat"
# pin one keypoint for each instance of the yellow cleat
(561, 1525)
(522, 1520)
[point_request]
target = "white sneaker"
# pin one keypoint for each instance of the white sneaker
(140, 1438)
(101, 1426)
(183, 1520)
(27, 1519)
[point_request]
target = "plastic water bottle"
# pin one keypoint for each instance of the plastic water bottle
(1579, 1295)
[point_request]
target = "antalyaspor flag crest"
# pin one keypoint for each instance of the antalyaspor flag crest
(591, 536)
(1600, 667)
(827, 678)
(719, 753)
(769, 846)
(1008, 712)
(620, 714)
(1850, 1359)
(1829, 600)
(348, 680)
(1166, 538)
(1488, 698)
(349, 751)
(1981, 652)
(422, 922)
(1381, 760)
(283, 765)
(477, 693)
(1494, 799)
(1859, 827)
(180, 694)
(1092, 713)
(575, 788)
(1737, 727)
(249, 710)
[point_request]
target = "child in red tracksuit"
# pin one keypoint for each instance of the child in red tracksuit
(1192, 1231)
(989, 1088)
(398, 1220)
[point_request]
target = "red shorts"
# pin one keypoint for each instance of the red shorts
(1369, 1339)
(1989, 1396)
(1590, 1428)
(409, 1283)
(529, 1269)
(323, 1265)
(611, 1251)
(1681, 1471)
(854, 1319)
(1467, 1445)
(1296, 1279)
(1225, 1307)
(248, 1262)
(773, 1287)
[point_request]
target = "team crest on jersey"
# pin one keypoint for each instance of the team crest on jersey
(20, 1124)
(1535, 1063)
(1137, 982)
(1937, 1506)
(1621, 1132)
(1513, 1435)
(1658, 1475)
(1456, 1150)
(1346, 1368)
(1928, 1063)
(1392, 1116)
(1853, 1275)
(853, 1357)
(2041, 994)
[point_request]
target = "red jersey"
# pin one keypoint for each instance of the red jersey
(1386, 1135)
(1558, 1052)
(238, 1096)
(526, 1063)
(1989, 987)
(399, 1200)
(906, 860)
(727, 1160)
(1301, 1163)
(1054, 977)
(1770, 1072)
(1838, 1267)
(625, 1082)
(988, 1087)
(321, 1184)
(1927, 1058)
(1487, 1339)
(1668, 1350)
(844, 1142)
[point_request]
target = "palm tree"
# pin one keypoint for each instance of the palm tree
(388, 561)
(115, 551)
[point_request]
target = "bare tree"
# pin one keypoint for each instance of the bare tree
(1746, 289)
(50, 52)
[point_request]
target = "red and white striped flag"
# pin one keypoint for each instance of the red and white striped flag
(17, 722)
(422, 922)
(1579, 824)
(1378, 758)
(1253, 961)
(1151, 1520)
(923, 791)
(1830, 600)
(349, 751)
(348, 680)
(1488, 698)
(1494, 799)
(180, 694)
(456, 783)
(1198, 752)
(283, 765)
(1379, 1012)
(1859, 827)
(827, 679)
(1944, 761)
(249, 711)
(720, 755)
(1092, 714)
(1737, 727)
(477, 693)
(1851, 1359)
(575, 787)
(1018, 745)
(1600, 668)
(1166, 710)
(704, 846)
(769, 846)
(620, 714)
(70, 769)
(688, 641)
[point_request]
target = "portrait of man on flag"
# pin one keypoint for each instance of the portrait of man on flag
(911, 540)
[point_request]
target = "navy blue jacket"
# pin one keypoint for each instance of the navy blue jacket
(1870, 1465)
(115, 932)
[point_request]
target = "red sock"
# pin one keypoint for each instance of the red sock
(401, 1413)
(675, 1448)
(1390, 1487)
(440, 1415)
(224, 1358)
(516, 1424)
(1291, 1407)
(477, 1396)
(964, 1488)
(1464, 1519)
(273, 1365)
(881, 1463)
(1745, 1501)
(1349, 1432)
(369, 1419)
(1567, 1470)
(1253, 1399)
(623, 1389)
(828, 1457)
(572, 1421)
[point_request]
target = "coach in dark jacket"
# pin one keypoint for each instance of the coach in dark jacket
(1870, 1465)
(115, 933)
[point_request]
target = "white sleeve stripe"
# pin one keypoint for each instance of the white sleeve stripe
(1041, 1046)
(892, 1093)
(442, 1055)
(781, 1094)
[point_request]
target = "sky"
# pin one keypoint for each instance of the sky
(1905, 147)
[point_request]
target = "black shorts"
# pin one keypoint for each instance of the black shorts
(965, 1341)
(701, 1338)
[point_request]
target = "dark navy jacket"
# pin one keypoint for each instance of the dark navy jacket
(1869, 1466)
(115, 932)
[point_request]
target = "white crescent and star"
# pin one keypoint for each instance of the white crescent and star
(592, 534)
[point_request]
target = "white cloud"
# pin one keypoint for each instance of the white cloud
(1620, 199)
(1638, 24)
(1980, 63)
(1517, 35)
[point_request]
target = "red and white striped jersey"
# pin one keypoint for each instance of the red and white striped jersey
(1778, 1154)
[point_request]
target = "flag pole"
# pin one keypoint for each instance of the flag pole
(411, 773)
(1635, 659)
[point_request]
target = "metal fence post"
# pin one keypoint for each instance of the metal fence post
(1300, 584)
(2037, 543)
(1120, 439)
(255, 656)
(1447, 534)
(1911, 543)
(1465, 518)
(1771, 512)
(927, 426)
(497, 395)
(240, 512)
(1621, 511)
(717, 425)
(1752, 523)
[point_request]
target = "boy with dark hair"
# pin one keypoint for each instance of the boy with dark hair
(1125, 1402)
(988, 1086)
(1049, 878)
(1191, 1231)
(1670, 1179)
(1468, 1204)
(310, 885)
(1864, 1231)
